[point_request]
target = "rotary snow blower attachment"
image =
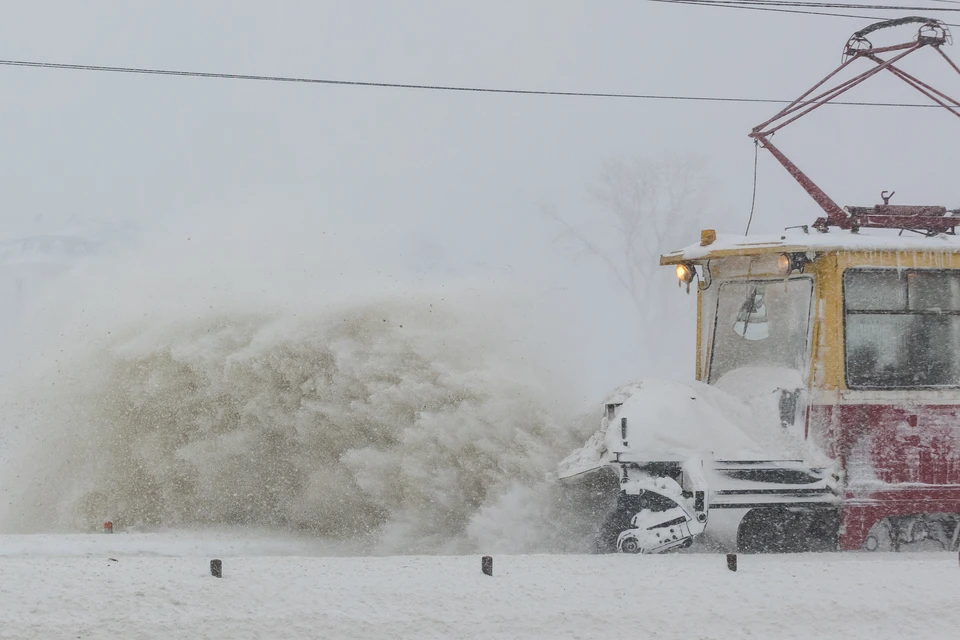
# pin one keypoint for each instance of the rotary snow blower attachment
(825, 414)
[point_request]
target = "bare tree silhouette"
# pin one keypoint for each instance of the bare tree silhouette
(648, 207)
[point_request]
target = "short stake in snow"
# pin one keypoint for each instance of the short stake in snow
(108, 527)
(216, 568)
(486, 565)
(732, 561)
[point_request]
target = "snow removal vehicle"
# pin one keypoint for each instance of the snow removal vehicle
(825, 414)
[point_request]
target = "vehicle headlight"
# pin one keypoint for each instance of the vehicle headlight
(784, 264)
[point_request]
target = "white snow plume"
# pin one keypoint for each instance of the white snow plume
(187, 389)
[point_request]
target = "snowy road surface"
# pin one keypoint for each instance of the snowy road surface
(158, 586)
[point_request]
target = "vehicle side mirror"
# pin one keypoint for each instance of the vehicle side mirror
(788, 406)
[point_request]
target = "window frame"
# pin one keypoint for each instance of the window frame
(877, 312)
(808, 338)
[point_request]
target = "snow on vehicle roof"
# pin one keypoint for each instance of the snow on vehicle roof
(794, 240)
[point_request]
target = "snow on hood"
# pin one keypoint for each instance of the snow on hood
(673, 421)
(670, 420)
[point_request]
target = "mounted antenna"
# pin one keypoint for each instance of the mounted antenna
(924, 219)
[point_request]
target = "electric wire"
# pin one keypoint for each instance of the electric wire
(431, 87)
(773, 9)
(830, 5)
(753, 199)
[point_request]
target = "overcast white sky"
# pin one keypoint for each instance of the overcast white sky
(436, 184)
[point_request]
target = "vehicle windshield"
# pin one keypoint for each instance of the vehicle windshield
(761, 323)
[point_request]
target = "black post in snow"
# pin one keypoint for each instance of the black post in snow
(216, 568)
(486, 565)
(732, 561)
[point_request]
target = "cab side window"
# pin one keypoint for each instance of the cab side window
(902, 328)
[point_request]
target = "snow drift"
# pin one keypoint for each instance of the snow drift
(275, 391)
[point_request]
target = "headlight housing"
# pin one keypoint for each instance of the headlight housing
(787, 263)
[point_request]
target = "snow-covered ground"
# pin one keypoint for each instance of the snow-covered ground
(159, 586)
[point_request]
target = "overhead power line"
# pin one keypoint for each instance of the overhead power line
(425, 87)
(774, 8)
(771, 9)
(830, 5)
